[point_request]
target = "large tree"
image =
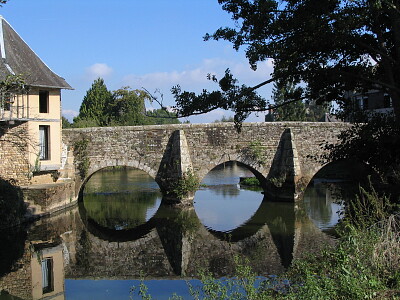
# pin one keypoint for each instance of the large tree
(128, 107)
(328, 46)
(95, 104)
(294, 111)
(123, 107)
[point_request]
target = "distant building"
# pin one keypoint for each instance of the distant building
(371, 102)
(30, 118)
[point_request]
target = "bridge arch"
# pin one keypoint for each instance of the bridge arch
(100, 165)
(251, 167)
(345, 169)
(166, 152)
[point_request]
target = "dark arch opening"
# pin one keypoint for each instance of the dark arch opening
(119, 198)
(109, 168)
(330, 188)
(344, 170)
(256, 173)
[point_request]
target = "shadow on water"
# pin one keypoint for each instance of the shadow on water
(12, 247)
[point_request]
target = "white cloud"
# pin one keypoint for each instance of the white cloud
(98, 70)
(209, 117)
(69, 114)
(195, 78)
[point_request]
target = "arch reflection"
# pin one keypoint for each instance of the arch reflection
(221, 204)
(120, 198)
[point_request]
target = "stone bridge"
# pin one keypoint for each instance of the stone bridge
(280, 154)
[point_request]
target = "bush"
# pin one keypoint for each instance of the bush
(250, 181)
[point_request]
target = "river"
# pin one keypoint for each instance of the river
(121, 232)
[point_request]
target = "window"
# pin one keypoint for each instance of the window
(387, 101)
(362, 102)
(44, 142)
(43, 102)
(47, 275)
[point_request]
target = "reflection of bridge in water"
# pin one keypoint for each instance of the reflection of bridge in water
(270, 239)
(172, 244)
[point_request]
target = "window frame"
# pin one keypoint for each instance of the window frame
(43, 102)
(44, 142)
(47, 275)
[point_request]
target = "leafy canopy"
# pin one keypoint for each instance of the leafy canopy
(123, 107)
(329, 46)
(95, 103)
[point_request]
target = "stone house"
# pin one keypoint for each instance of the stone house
(30, 115)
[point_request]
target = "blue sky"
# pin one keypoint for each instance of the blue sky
(154, 44)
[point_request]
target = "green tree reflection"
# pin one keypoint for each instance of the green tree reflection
(120, 210)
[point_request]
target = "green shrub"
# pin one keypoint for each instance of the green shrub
(187, 184)
(250, 181)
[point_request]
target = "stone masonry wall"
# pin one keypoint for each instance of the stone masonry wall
(14, 152)
(209, 145)
(47, 198)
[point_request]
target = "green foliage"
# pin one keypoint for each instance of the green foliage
(188, 221)
(119, 210)
(65, 123)
(356, 268)
(81, 157)
(10, 86)
(364, 264)
(189, 183)
(240, 99)
(289, 106)
(83, 123)
(123, 107)
(250, 181)
(13, 84)
(278, 181)
(375, 143)
(343, 272)
(308, 42)
(243, 285)
(127, 108)
(96, 103)
(161, 116)
(368, 208)
(293, 111)
(84, 247)
(225, 119)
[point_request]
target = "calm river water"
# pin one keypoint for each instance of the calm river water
(121, 233)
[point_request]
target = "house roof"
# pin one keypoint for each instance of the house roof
(16, 58)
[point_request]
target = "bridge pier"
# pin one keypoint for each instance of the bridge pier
(284, 180)
(176, 170)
